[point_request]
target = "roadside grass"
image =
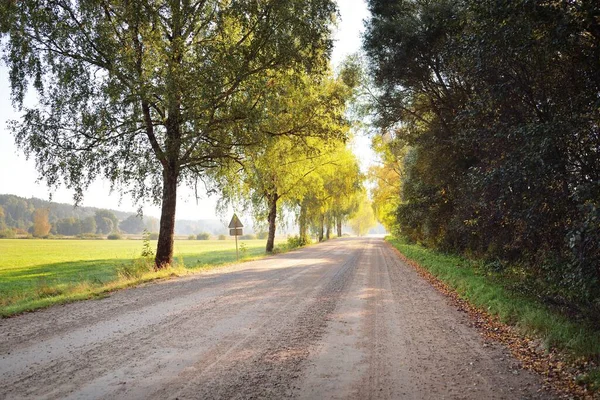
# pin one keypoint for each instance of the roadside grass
(531, 317)
(38, 273)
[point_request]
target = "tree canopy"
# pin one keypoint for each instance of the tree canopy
(309, 112)
(152, 94)
(495, 104)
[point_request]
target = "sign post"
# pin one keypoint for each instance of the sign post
(235, 229)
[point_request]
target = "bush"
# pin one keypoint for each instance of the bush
(248, 236)
(7, 234)
(294, 242)
(262, 235)
(92, 236)
(114, 236)
(192, 237)
(153, 236)
(222, 237)
(203, 236)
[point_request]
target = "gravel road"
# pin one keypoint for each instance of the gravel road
(345, 319)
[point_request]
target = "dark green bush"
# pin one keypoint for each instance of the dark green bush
(203, 236)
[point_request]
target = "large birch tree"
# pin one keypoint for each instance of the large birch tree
(151, 94)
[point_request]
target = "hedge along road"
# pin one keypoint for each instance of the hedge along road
(343, 319)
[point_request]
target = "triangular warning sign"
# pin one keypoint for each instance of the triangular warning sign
(235, 222)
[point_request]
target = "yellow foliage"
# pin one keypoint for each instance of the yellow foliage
(41, 226)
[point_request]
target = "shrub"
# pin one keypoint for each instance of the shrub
(295, 242)
(89, 236)
(222, 237)
(248, 236)
(192, 237)
(262, 235)
(114, 236)
(147, 251)
(153, 236)
(203, 236)
(7, 234)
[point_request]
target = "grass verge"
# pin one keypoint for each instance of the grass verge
(580, 345)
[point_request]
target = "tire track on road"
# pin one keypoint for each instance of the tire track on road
(274, 357)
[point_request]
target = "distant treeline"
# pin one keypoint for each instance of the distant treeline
(18, 217)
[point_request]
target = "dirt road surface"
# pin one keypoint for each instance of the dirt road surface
(345, 319)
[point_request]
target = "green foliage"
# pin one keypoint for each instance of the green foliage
(2, 219)
(262, 235)
(106, 221)
(88, 225)
(243, 249)
(153, 236)
(149, 94)
(192, 237)
(490, 116)
(114, 236)
(72, 226)
(92, 236)
(364, 219)
(17, 212)
(135, 269)
(294, 242)
(147, 251)
(248, 236)
(203, 236)
(133, 224)
(7, 234)
(222, 237)
(308, 130)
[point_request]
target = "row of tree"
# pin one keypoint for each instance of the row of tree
(491, 138)
(154, 94)
(309, 171)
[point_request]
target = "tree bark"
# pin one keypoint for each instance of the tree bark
(321, 228)
(339, 227)
(272, 199)
(303, 225)
(328, 232)
(164, 249)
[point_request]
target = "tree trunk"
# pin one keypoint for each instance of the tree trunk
(328, 232)
(272, 199)
(321, 228)
(339, 227)
(303, 225)
(164, 249)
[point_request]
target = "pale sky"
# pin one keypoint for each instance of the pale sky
(18, 175)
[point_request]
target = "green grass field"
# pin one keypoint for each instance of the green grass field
(37, 273)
